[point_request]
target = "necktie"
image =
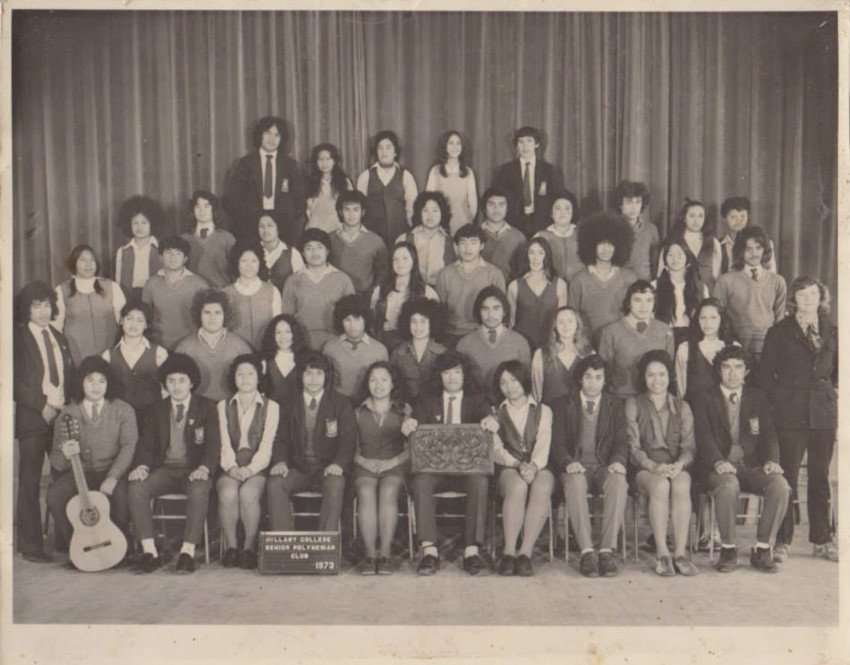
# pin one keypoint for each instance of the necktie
(267, 179)
(94, 413)
(204, 233)
(52, 369)
(491, 336)
(179, 416)
(526, 185)
(641, 327)
(590, 406)
(450, 411)
(813, 338)
(733, 398)
(354, 344)
(313, 404)
(755, 273)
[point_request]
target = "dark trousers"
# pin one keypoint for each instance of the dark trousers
(279, 491)
(168, 480)
(725, 489)
(475, 486)
(819, 444)
(64, 488)
(31, 451)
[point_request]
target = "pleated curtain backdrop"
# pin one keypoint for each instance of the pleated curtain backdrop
(111, 104)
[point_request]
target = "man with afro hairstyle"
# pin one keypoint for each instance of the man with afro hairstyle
(597, 291)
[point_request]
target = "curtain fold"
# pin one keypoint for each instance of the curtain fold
(111, 104)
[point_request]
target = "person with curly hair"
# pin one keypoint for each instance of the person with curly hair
(430, 235)
(562, 235)
(453, 178)
(213, 346)
(697, 233)
(170, 293)
(255, 301)
(597, 291)
(354, 350)
(267, 181)
(89, 306)
(754, 296)
(210, 243)
(421, 322)
(678, 289)
(284, 346)
(326, 180)
(141, 219)
(631, 199)
(390, 189)
(735, 212)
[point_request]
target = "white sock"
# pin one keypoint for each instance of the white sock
(762, 546)
(470, 550)
(726, 547)
(149, 547)
(604, 549)
(188, 548)
(586, 550)
(429, 549)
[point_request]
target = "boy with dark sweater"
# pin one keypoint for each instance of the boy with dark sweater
(631, 199)
(505, 247)
(357, 251)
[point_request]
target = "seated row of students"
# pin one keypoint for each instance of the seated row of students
(809, 297)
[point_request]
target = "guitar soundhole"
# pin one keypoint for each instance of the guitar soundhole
(90, 517)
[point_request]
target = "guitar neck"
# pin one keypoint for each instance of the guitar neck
(80, 480)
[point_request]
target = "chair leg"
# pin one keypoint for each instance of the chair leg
(354, 519)
(411, 525)
(551, 535)
(636, 516)
(206, 542)
(711, 525)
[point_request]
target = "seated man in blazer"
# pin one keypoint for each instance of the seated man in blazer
(589, 453)
(42, 368)
(178, 451)
(267, 182)
(530, 183)
(314, 449)
(737, 449)
(450, 404)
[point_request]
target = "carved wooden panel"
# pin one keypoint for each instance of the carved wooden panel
(451, 449)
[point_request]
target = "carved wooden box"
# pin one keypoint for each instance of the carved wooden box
(451, 449)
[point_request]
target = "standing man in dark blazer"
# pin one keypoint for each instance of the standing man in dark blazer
(451, 404)
(589, 453)
(178, 451)
(43, 369)
(267, 182)
(530, 182)
(799, 370)
(314, 449)
(737, 449)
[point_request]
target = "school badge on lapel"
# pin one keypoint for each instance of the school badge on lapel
(331, 428)
(284, 186)
(542, 190)
(754, 426)
(199, 435)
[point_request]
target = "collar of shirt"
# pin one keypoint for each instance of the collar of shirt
(479, 264)
(585, 399)
(530, 401)
(499, 330)
(726, 392)
(501, 231)
(87, 405)
(209, 226)
(308, 398)
(132, 243)
(594, 271)
(37, 332)
(258, 398)
(633, 322)
(274, 255)
(377, 166)
(264, 154)
(553, 230)
(748, 271)
(421, 230)
(248, 289)
(669, 403)
(347, 237)
(145, 342)
(208, 340)
(317, 277)
(85, 284)
(531, 162)
(185, 403)
(806, 322)
(186, 272)
(727, 239)
(639, 224)
(458, 397)
(363, 340)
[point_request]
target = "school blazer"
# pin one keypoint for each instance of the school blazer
(509, 178)
(800, 382)
(334, 438)
(28, 373)
(757, 434)
(612, 444)
(429, 409)
(243, 197)
(201, 434)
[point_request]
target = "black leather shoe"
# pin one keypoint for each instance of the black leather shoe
(608, 565)
(369, 566)
(149, 563)
(230, 558)
(248, 560)
(762, 560)
(507, 565)
(475, 565)
(523, 566)
(37, 556)
(589, 565)
(728, 559)
(428, 565)
(384, 566)
(185, 564)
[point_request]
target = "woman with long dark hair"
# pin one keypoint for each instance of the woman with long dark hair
(325, 180)
(452, 176)
(678, 289)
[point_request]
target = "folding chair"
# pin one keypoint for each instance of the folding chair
(746, 497)
(164, 517)
(410, 522)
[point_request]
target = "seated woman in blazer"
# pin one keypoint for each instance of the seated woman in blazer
(315, 447)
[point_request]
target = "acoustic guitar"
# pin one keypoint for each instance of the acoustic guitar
(97, 544)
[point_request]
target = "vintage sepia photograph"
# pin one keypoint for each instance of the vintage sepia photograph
(502, 334)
